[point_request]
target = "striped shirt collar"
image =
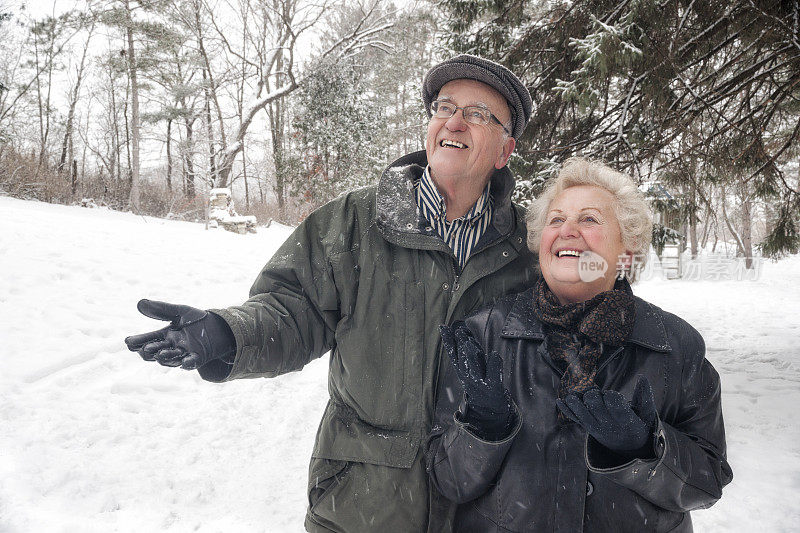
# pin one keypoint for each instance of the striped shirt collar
(463, 233)
(429, 195)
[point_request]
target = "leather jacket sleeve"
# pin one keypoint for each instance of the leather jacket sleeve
(690, 466)
(461, 465)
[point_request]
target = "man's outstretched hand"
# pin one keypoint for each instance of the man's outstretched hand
(193, 338)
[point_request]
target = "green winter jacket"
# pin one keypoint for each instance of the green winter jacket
(367, 279)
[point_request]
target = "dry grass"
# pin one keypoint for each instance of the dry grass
(22, 177)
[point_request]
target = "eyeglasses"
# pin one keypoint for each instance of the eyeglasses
(472, 113)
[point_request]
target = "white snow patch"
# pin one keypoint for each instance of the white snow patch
(94, 439)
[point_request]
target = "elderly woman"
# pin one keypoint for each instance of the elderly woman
(584, 408)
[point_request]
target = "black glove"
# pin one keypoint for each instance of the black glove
(622, 427)
(193, 338)
(489, 409)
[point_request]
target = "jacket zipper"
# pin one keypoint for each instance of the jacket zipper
(455, 278)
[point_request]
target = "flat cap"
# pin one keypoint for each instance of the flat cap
(495, 75)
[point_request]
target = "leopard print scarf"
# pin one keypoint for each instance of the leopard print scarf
(577, 332)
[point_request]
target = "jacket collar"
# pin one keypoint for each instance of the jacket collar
(648, 328)
(397, 207)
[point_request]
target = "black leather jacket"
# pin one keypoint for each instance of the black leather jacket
(547, 475)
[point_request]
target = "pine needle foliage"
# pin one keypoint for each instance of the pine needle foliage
(650, 85)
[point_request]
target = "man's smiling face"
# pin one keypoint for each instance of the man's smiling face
(459, 151)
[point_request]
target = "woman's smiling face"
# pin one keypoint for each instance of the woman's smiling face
(581, 244)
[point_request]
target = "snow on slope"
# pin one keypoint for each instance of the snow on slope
(94, 439)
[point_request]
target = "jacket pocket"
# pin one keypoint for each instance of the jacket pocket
(342, 436)
(672, 522)
(325, 477)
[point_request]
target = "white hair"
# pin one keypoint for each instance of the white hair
(629, 206)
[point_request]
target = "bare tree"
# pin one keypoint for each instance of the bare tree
(282, 22)
(67, 145)
(135, 124)
(49, 35)
(176, 72)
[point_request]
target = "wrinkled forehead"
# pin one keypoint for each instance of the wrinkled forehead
(463, 92)
(574, 198)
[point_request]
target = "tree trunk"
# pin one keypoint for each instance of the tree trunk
(187, 160)
(128, 139)
(210, 88)
(210, 133)
(239, 109)
(404, 117)
(244, 175)
(74, 177)
(706, 227)
(169, 154)
(39, 101)
(275, 110)
(693, 224)
(85, 145)
(49, 30)
(746, 224)
(67, 143)
(50, 65)
(134, 196)
(116, 166)
(734, 233)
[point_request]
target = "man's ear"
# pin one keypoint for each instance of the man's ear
(508, 148)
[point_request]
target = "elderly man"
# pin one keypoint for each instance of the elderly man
(370, 277)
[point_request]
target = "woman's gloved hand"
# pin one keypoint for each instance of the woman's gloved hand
(489, 409)
(625, 428)
(193, 338)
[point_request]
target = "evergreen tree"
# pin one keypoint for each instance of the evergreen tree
(336, 124)
(354, 116)
(650, 85)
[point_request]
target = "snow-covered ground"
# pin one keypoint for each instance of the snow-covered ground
(94, 439)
